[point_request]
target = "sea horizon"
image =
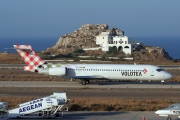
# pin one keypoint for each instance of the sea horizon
(170, 44)
(38, 43)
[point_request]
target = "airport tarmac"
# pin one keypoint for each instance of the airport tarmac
(76, 84)
(106, 115)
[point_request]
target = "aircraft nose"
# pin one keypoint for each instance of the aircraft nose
(168, 76)
(158, 112)
(162, 112)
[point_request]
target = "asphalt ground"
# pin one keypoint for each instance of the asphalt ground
(108, 115)
(122, 93)
(69, 84)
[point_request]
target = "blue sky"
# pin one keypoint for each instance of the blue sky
(54, 18)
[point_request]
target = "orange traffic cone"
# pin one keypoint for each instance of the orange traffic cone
(144, 118)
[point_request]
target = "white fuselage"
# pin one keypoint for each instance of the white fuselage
(110, 71)
(174, 109)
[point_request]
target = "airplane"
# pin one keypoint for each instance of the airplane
(87, 72)
(172, 110)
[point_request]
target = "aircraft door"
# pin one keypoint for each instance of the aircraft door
(152, 73)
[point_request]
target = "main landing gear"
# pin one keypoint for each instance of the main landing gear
(84, 82)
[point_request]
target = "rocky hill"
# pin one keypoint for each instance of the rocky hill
(85, 37)
(150, 53)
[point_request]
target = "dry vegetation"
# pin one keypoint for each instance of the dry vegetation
(101, 104)
(176, 75)
(10, 59)
(16, 59)
(175, 79)
(21, 75)
(109, 104)
(14, 101)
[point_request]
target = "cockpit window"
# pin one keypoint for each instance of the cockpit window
(159, 70)
(174, 106)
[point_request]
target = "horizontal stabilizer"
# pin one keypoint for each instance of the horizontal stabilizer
(23, 47)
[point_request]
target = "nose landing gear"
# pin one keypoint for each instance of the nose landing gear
(162, 82)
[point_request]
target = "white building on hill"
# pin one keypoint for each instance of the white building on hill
(116, 38)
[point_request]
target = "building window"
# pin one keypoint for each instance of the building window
(126, 47)
(120, 42)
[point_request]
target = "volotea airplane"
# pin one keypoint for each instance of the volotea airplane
(172, 110)
(87, 72)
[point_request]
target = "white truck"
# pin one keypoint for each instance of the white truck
(3, 111)
(46, 107)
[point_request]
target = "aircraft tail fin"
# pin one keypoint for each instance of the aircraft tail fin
(32, 60)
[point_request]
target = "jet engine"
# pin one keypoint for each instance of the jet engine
(56, 71)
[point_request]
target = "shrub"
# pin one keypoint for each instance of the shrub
(79, 51)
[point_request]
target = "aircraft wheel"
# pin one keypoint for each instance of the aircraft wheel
(18, 117)
(162, 83)
(83, 82)
(169, 118)
(87, 81)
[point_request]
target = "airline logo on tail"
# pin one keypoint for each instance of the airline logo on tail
(29, 56)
